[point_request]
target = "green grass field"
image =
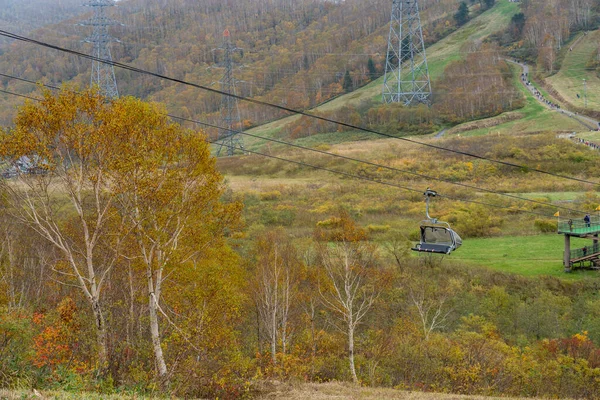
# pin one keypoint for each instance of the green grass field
(538, 117)
(552, 197)
(524, 255)
(569, 80)
(451, 48)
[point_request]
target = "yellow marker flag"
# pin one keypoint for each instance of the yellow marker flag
(557, 214)
(598, 208)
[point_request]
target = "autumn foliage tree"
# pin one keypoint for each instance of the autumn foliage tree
(92, 174)
(353, 279)
(169, 198)
(478, 86)
(55, 344)
(60, 155)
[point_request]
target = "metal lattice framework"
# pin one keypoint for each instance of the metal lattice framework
(103, 75)
(229, 135)
(406, 73)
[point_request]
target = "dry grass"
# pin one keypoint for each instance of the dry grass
(338, 391)
(486, 123)
(55, 395)
(250, 183)
(282, 391)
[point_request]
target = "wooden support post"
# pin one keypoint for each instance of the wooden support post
(567, 256)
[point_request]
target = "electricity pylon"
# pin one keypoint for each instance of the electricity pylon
(406, 73)
(103, 75)
(231, 125)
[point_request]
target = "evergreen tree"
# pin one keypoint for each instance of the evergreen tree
(405, 47)
(517, 24)
(371, 68)
(391, 58)
(489, 3)
(462, 15)
(347, 85)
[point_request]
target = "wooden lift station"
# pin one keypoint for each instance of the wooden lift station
(583, 257)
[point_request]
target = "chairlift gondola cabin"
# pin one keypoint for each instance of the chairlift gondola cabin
(436, 236)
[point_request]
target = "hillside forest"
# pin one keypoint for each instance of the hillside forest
(134, 262)
(295, 54)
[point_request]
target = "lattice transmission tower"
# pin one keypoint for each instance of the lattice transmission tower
(103, 75)
(406, 73)
(231, 124)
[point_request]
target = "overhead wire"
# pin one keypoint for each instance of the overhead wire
(286, 109)
(367, 179)
(472, 187)
(18, 94)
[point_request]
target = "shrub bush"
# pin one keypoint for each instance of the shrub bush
(546, 226)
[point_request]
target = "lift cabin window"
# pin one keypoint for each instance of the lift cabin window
(436, 235)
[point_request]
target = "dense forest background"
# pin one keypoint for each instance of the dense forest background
(22, 17)
(293, 53)
(298, 54)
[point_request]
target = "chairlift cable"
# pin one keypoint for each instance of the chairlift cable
(286, 109)
(472, 187)
(19, 95)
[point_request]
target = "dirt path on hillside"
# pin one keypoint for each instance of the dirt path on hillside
(587, 122)
(440, 133)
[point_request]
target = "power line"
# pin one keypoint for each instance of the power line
(235, 132)
(516, 91)
(359, 177)
(28, 81)
(472, 187)
(289, 110)
(282, 142)
(20, 95)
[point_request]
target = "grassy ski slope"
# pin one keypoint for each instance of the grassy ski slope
(569, 80)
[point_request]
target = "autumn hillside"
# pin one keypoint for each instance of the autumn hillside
(24, 17)
(367, 99)
(293, 53)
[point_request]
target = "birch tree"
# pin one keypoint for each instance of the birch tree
(432, 304)
(276, 282)
(60, 153)
(169, 197)
(351, 285)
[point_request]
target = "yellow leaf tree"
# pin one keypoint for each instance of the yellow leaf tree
(169, 194)
(91, 175)
(60, 158)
